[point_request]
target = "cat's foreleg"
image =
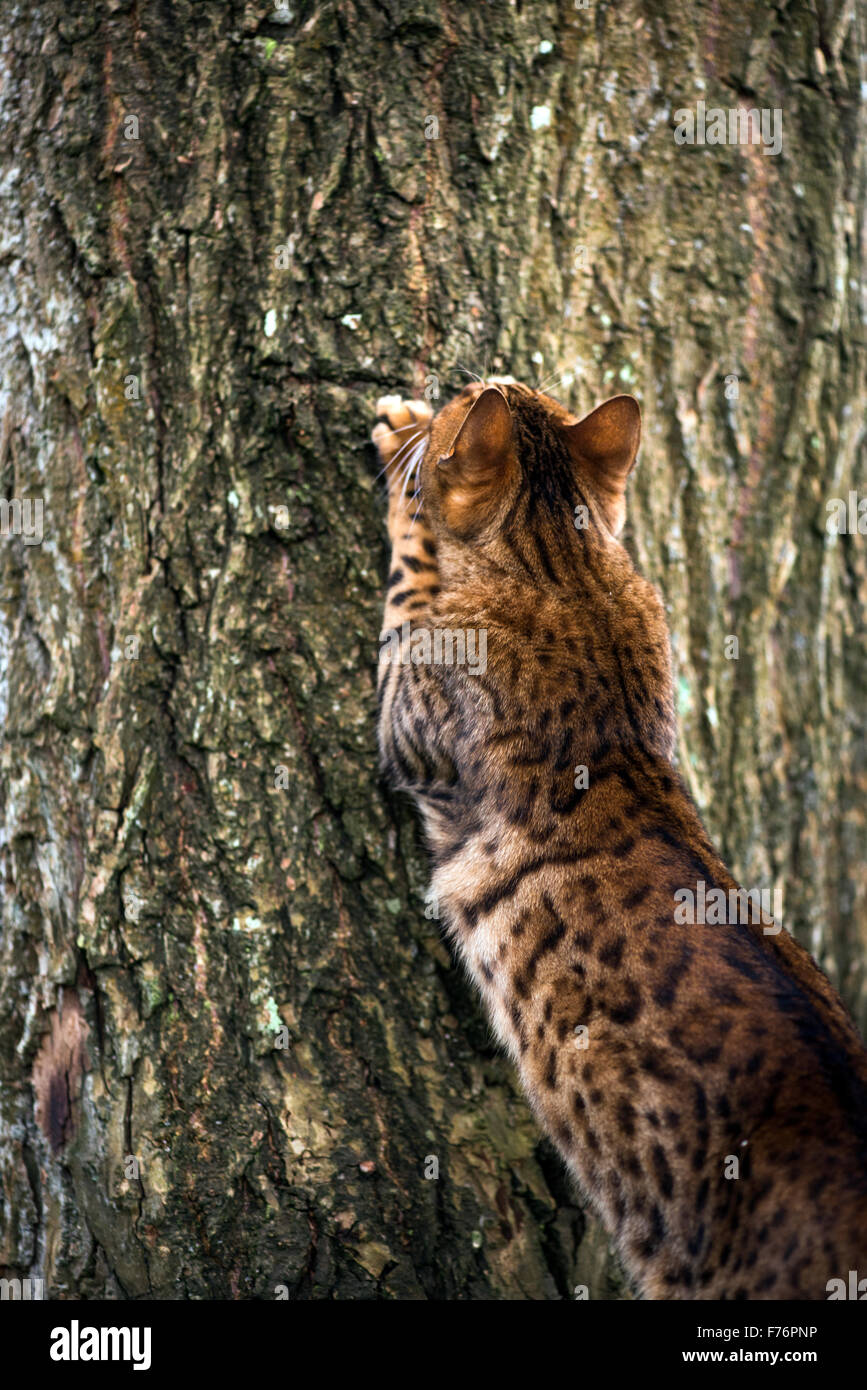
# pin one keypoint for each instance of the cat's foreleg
(400, 436)
(407, 732)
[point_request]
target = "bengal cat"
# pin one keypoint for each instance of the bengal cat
(653, 1054)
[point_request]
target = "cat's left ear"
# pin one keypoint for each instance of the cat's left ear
(476, 475)
(604, 445)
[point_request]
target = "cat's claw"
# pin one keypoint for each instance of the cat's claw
(400, 424)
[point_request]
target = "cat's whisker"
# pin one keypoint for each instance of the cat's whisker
(413, 425)
(417, 510)
(416, 425)
(409, 468)
(416, 494)
(553, 381)
(396, 457)
(413, 460)
(413, 456)
(467, 372)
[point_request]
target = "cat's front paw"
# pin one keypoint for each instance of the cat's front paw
(400, 435)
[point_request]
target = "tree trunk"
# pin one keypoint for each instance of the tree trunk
(237, 1060)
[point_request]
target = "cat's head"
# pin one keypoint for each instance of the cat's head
(502, 454)
(505, 469)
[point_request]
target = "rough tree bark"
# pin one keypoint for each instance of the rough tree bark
(324, 202)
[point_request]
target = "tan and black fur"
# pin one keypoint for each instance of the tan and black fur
(651, 1053)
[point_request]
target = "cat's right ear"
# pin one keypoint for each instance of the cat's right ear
(477, 472)
(603, 446)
